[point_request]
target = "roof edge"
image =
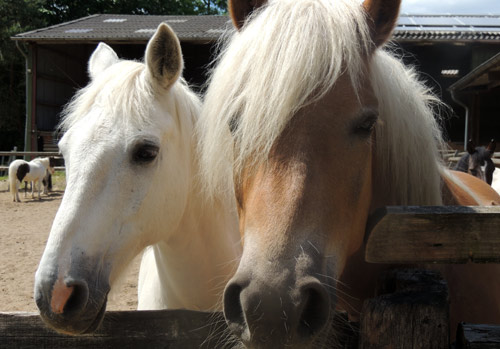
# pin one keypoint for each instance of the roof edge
(479, 70)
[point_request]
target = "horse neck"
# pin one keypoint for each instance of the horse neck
(460, 188)
(201, 254)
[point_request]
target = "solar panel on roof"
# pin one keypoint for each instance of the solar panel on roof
(405, 21)
(481, 21)
(435, 21)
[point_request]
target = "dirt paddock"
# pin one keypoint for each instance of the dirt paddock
(24, 229)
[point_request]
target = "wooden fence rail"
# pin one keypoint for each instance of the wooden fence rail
(410, 309)
(29, 153)
(120, 329)
(428, 234)
(57, 168)
(10, 155)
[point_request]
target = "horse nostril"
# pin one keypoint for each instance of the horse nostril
(315, 309)
(233, 311)
(68, 299)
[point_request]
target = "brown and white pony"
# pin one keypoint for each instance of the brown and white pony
(316, 125)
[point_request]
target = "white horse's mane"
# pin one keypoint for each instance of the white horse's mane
(126, 90)
(290, 53)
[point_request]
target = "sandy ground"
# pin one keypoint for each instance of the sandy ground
(24, 229)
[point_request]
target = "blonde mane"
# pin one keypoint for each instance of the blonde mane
(290, 53)
(408, 139)
(125, 91)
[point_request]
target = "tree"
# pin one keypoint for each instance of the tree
(15, 16)
(58, 11)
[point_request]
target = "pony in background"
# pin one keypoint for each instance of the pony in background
(132, 183)
(34, 171)
(477, 161)
(313, 125)
(47, 183)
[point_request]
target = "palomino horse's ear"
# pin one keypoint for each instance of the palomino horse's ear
(102, 58)
(492, 146)
(383, 15)
(164, 56)
(240, 9)
(471, 147)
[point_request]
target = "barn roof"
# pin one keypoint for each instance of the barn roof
(483, 78)
(448, 28)
(129, 28)
(139, 28)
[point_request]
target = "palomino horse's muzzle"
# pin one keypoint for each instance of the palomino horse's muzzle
(276, 312)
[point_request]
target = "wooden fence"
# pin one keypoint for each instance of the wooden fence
(6, 157)
(451, 157)
(410, 309)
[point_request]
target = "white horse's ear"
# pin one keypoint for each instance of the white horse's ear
(239, 10)
(164, 56)
(102, 58)
(383, 16)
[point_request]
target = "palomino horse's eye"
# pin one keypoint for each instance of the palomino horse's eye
(367, 123)
(145, 153)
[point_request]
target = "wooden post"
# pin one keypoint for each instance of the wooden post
(411, 311)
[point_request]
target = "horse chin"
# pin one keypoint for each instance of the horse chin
(75, 327)
(98, 319)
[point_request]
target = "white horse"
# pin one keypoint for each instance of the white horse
(131, 166)
(34, 171)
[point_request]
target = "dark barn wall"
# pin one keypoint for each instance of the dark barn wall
(431, 59)
(196, 57)
(61, 69)
(489, 126)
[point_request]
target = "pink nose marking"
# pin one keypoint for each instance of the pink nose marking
(60, 296)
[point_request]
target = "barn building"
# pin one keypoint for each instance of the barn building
(458, 56)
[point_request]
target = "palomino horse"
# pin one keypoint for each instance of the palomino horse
(132, 171)
(316, 125)
(34, 171)
(477, 162)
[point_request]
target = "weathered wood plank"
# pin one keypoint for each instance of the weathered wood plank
(146, 329)
(427, 234)
(410, 312)
(121, 329)
(475, 336)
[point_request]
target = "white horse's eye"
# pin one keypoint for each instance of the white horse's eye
(145, 153)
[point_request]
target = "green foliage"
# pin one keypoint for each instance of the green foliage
(57, 11)
(15, 16)
(18, 16)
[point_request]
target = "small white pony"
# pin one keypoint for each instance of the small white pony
(132, 168)
(33, 171)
